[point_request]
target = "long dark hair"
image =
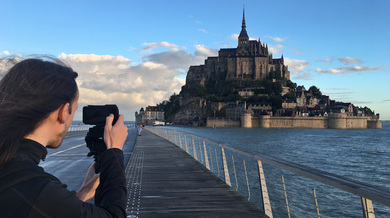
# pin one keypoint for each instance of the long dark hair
(29, 92)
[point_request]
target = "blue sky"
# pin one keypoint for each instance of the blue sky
(136, 53)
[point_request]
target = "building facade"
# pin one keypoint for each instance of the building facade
(148, 116)
(250, 60)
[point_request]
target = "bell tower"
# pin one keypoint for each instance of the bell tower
(243, 38)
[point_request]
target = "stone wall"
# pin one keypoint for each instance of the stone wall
(222, 122)
(335, 121)
(374, 124)
(291, 122)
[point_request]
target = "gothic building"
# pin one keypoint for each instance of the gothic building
(250, 60)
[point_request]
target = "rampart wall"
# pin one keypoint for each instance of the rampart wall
(333, 121)
(222, 122)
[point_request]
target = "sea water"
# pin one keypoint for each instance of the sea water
(361, 154)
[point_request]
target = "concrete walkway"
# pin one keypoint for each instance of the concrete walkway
(164, 181)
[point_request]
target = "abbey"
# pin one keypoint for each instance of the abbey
(250, 60)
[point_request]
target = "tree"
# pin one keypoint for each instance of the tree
(315, 91)
(289, 95)
(277, 88)
(197, 90)
(276, 102)
(274, 75)
(291, 84)
(171, 107)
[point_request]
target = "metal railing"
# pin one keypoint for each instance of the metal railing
(78, 128)
(214, 156)
(86, 127)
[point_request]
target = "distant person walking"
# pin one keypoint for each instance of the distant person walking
(139, 129)
(38, 100)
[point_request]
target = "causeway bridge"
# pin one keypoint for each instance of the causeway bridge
(176, 174)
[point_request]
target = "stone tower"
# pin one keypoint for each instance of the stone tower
(243, 38)
(250, 60)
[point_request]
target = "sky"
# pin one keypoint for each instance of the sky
(137, 53)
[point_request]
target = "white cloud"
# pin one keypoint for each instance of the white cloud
(204, 51)
(180, 59)
(303, 76)
(6, 53)
(234, 36)
(351, 69)
(349, 60)
(275, 49)
(298, 52)
(149, 46)
(327, 60)
(223, 45)
(296, 66)
(6, 63)
(202, 30)
(277, 39)
(105, 79)
(114, 80)
(92, 58)
(334, 71)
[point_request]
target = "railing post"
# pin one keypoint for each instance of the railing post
(180, 141)
(285, 195)
(174, 134)
(235, 174)
(205, 156)
(247, 181)
(200, 152)
(193, 148)
(225, 168)
(264, 191)
(368, 209)
(185, 142)
(315, 201)
(211, 159)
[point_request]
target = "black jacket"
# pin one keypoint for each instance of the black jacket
(30, 192)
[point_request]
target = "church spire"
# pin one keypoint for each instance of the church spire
(243, 38)
(243, 26)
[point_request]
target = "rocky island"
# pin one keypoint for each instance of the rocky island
(247, 87)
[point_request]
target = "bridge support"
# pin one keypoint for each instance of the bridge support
(225, 168)
(264, 191)
(368, 209)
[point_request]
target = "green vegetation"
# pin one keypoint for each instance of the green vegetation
(221, 90)
(315, 92)
(171, 107)
(197, 90)
(289, 95)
